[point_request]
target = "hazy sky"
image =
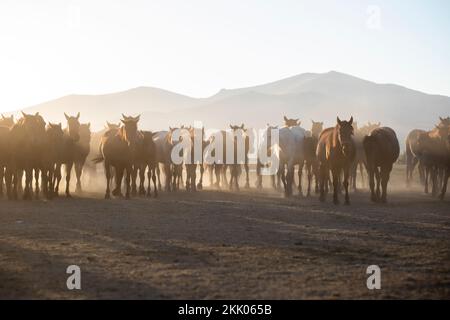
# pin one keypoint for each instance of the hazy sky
(52, 48)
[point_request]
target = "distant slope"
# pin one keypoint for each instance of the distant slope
(305, 96)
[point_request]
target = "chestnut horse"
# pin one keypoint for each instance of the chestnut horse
(336, 152)
(117, 151)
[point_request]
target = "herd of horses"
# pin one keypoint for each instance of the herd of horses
(32, 150)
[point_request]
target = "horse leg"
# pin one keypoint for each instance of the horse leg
(300, 176)
(427, 172)
(422, 170)
(378, 177)
(434, 174)
(193, 177)
(336, 174)
(158, 173)
(28, 184)
(78, 172)
(444, 184)
(117, 192)
(36, 183)
(371, 172)
(346, 184)
(129, 171)
(385, 172)
(354, 173)
(247, 175)
(361, 171)
(68, 172)
(316, 177)
(57, 177)
(2, 175)
(154, 181)
(149, 178)
(309, 171)
(200, 183)
(258, 183)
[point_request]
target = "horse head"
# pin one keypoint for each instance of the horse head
(34, 126)
(344, 134)
(7, 121)
(73, 126)
(317, 128)
(291, 122)
(112, 126)
(129, 131)
(55, 132)
(445, 121)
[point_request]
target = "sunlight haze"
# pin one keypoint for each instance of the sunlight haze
(49, 49)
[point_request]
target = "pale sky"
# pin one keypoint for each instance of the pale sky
(49, 49)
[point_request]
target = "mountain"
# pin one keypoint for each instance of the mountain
(318, 96)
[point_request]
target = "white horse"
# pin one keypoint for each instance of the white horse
(291, 140)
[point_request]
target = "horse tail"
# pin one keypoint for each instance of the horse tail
(98, 159)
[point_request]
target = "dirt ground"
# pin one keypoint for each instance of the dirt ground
(222, 245)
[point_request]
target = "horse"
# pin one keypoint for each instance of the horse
(117, 151)
(447, 169)
(336, 152)
(27, 145)
(311, 163)
(291, 140)
(267, 144)
(432, 153)
(163, 145)
(191, 167)
(53, 148)
(83, 147)
(382, 150)
(4, 154)
(216, 164)
(360, 155)
(239, 135)
(69, 153)
(412, 158)
(148, 156)
(7, 121)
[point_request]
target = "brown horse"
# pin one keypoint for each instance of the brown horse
(27, 144)
(4, 154)
(69, 153)
(447, 169)
(148, 155)
(191, 167)
(53, 148)
(412, 159)
(311, 162)
(83, 147)
(432, 152)
(382, 150)
(7, 121)
(336, 152)
(216, 165)
(118, 152)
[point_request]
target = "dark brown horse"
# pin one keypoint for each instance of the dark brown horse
(336, 152)
(382, 150)
(118, 152)
(146, 159)
(69, 153)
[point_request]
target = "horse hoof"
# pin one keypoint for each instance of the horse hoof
(199, 186)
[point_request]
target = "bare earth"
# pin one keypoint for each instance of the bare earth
(222, 245)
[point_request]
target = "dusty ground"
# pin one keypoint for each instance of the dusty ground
(212, 245)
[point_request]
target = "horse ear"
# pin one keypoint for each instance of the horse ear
(36, 114)
(67, 117)
(338, 121)
(242, 127)
(78, 115)
(440, 118)
(123, 121)
(3, 116)
(285, 119)
(351, 120)
(379, 124)
(89, 125)
(124, 117)
(137, 118)
(231, 127)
